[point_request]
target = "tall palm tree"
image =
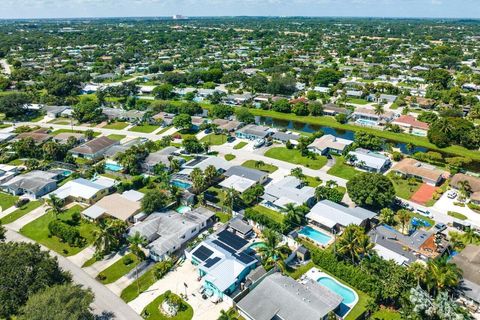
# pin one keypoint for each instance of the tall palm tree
(419, 272)
(231, 196)
(273, 254)
(470, 236)
(297, 173)
(404, 218)
(174, 164)
(354, 243)
(379, 110)
(227, 315)
(442, 275)
(465, 189)
(108, 237)
(55, 204)
(294, 213)
(135, 245)
(387, 216)
(198, 180)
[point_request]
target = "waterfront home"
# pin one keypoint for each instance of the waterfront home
(222, 263)
(369, 160)
(370, 115)
(288, 190)
(426, 173)
(33, 184)
(334, 216)
(118, 206)
(84, 191)
(331, 109)
(410, 124)
(253, 132)
(227, 125)
(167, 232)
(329, 144)
(284, 137)
(280, 297)
(93, 149)
(473, 184)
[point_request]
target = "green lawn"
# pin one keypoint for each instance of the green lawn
(252, 164)
(457, 215)
(118, 269)
(357, 101)
(223, 217)
(116, 137)
(36, 119)
(300, 271)
(229, 157)
(294, 156)
(89, 262)
(313, 181)
(95, 134)
(32, 205)
(215, 139)
(240, 145)
(145, 281)
(386, 314)
(274, 215)
(342, 170)
(215, 195)
(145, 128)
(403, 188)
(7, 200)
(152, 311)
(164, 130)
(116, 125)
(38, 230)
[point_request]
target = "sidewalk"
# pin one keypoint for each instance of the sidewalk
(26, 219)
(80, 258)
(101, 265)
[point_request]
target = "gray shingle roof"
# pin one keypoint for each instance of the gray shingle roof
(251, 174)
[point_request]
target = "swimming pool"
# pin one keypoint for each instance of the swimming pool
(180, 184)
(315, 235)
(346, 293)
(257, 245)
(113, 167)
(366, 122)
(183, 209)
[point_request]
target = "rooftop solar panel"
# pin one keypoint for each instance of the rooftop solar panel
(232, 240)
(210, 262)
(245, 258)
(202, 253)
(224, 246)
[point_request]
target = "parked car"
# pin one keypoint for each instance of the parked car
(425, 213)
(259, 143)
(452, 194)
(439, 227)
(231, 139)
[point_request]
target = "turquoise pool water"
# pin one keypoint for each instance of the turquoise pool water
(113, 167)
(315, 235)
(183, 209)
(367, 122)
(346, 293)
(180, 184)
(258, 245)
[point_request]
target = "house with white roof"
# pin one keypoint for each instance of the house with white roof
(369, 160)
(288, 190)
(84, 191)
(330, 215)
(329, 144)
(222, 262)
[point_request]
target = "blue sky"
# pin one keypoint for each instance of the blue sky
(123, 8)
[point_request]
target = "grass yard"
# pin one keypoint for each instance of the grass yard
(252, 164)
(164, 130)
(240, 145)
(342, 170)
(215, 139)
(403, 188)
(294, 156)
(20, 212)
(386, 314)
(95, 134)
(215, 195)
(119, 125)
(89, 262)
(38, 118)
(273, 215)
(38, 230)
(229, 157)
(145, 128)
(7, 200)
(457, 215)
(313, 181)
(118, 269)
(116, 137)
(152, 311)
(357, 101)
(223, 217)
(300, 271)
(145, 281)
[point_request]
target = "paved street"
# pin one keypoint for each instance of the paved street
(105, 300)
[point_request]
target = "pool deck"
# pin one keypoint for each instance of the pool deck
(316, 274)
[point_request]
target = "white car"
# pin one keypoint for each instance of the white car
(452, 194)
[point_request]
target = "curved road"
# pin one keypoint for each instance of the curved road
(105, 300)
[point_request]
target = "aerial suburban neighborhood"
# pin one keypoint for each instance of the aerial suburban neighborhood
(239, 168)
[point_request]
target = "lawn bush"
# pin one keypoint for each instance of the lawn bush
(67, 233)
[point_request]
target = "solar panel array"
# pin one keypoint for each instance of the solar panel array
(232, 240)
(202, 253)
(210, 262)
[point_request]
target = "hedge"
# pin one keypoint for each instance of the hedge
(67, 233)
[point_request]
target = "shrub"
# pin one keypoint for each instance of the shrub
(65, 232)
(127, 260)
(162, 269)
(263, 220)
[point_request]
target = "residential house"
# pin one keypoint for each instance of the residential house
(227, 125)
(333, 216)
(162, 156)
(93, 149)
(428, 174)
(84, 191)
(469, 261)
(222, 263)
(33, 184)
(39, 136)
(329, 144)
(118, 206)
(253, 132)
(241, 178)
(7, 172)
(288, 190)
(240, 228)
(370, 115)
(167, 232)
(473, 185)
(284, 137)
(280, 297)
(421, 245)
(420, 102)
(331, 109)
(164, 118)
(369, 160)
(55, 111)
(410, 124)
(63, 137)
(354, 94)
(197, 122)
(385, 98)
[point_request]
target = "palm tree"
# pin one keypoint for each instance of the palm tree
(293, 213)
(442, 275)
(273, 254)
(419, 272)
(136, 242)
(331, 184)
(465, 189)
(55, 204)
(231, 196)
(379, 110)
(387, 216)
(297, 173)
(227, 315)
(354, 243)
(108, 237)
(176, 193)
(404, 218)
(470, 236)
(259, 164)
(174, 164)
(198, 180)
(211, 174)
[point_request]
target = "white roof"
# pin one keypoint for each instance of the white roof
(240, 184)
(94, 212)
(133, 195)
(327, 213)
(83, 188)
(388, 254)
